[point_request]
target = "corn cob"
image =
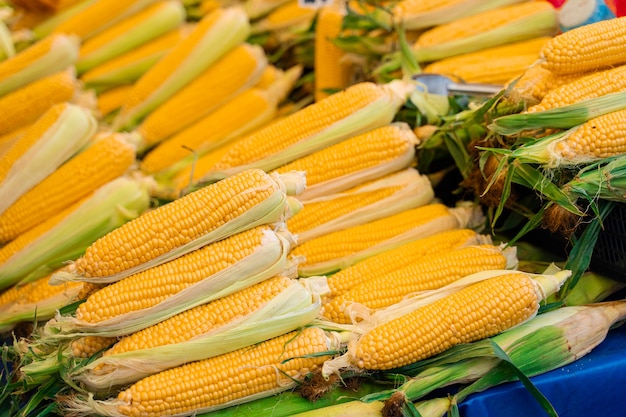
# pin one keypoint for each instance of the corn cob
(210, 214)
(266, 310)
(129, 67)
(220, 126)
(476, 311)
(430, 273)
(44, 57)
(98, 16)
(269, 76)
(7, 140)
(259, 8)
(26, 104)
(355, 160)
(215, 35)
(337, 250)
(58, 134)
(234, 73)
(257, 371)
(290, 16)
(108, 102)
(47, 246)
(370, 201)
(587, 48)
(400, 257)
(533, 85)
(331, 68)
(357, 109)
(130, 33)
(487, 29)
(103, 161)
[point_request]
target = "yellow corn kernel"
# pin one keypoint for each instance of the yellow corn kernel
(111, 100)
(104, 160)
(152, 236)
(8, 139)
(400, 257)
(235, 72)
(23, 106)
(593, 85)
(587, 48)
(476, 312)
(269, 76)
(430, 273)
(256, 371)
(533, 85)
(87, 346)
(332, 69)
(290, 15)
(422, 6)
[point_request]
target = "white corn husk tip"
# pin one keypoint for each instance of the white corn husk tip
(291, 183)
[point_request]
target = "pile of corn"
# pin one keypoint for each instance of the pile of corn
(186, 241)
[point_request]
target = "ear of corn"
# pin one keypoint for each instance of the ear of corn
(108, 102)
(7, 140)
(131, 32)
(98, 16)
(257, 371)
(215, 35)
(219, 127)
(103, 161)
(357, 109)
(258, 8)
(59, 133)
(44, 27)
(289, 16)
(477, 311)
(26, 104)
(45, 57)
(129, 67)
(533, 85)
(340, 249)
(587, 48)
(370, 201)
(269, 309)
(235, 72)
(210, 214)
(429, 273)
(47, 246)
(355, 160)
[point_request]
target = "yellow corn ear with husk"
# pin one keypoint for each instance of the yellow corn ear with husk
(130, 33)
(355, 110)
(7, 140)
(372, 200)
(249, 316)
(127, 68)
(53, 139)
(207, 215)
(104, 160)
(99, 15)
(587, 48)
(64, 237)
(258, 8)
(44, 57)
(289, 16)
(237, 71)
(23, 106)
(338, 250)
(108, 102)
(533, 85)
(496, 302)
(215, 35)
(355, 160)
(378, 291)
(257, 371)
(219, 127)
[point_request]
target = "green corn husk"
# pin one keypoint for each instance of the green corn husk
(69, 132)
(7, 46)
(130, 33)
(46, 27)
(108, 208)
(31, 64)
(565, 117)
(349, 409)
(205, 45)
(605, 180)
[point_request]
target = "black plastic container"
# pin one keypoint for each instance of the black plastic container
(609, 254)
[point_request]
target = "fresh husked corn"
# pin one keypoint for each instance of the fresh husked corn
(340, 249)
(25, 105)
(130, 33)
(252, 372)
(231, 75)
(101, 162)
(50, 141)
(355, 110)
(354, 160)
(372, 200)
(207, 215)
(87, 346)
(402, 256)
(587, 48)
(429, 273)
(533, 85)
(212, 37)
(44, 57)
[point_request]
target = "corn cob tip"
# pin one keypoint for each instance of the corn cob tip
(292, 183)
